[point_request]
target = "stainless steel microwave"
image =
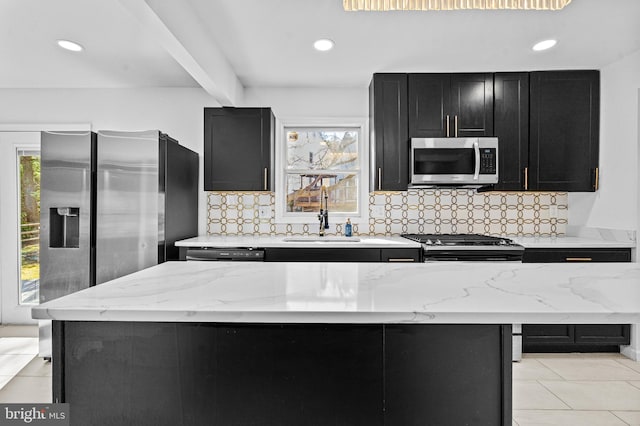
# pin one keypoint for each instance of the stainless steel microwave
(469, 162)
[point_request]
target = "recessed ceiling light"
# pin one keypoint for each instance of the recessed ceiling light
(544, 45)
(69, 45)
(323, 44)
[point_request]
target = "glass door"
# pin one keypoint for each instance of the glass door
(19, 225)
(29, 216)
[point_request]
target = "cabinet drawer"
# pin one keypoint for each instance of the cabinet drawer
(401, 255)
(576, 255)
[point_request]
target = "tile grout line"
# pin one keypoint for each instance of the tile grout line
(560, 399)
(621, 419)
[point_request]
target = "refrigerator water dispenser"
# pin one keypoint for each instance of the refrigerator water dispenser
(64, 227)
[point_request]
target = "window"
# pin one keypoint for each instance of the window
(29, 208)
(312, 155)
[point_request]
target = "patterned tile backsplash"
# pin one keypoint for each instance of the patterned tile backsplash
(429, 211)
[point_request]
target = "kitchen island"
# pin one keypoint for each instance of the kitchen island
(315, 343)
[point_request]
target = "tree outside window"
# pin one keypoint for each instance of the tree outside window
(317, 157)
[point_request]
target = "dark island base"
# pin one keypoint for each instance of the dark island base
(136, 373)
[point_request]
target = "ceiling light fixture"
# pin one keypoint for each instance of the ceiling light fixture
(70, 45)
(544, 45)
(424, 5)
(323, 44)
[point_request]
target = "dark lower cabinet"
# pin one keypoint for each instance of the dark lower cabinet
(444, 374)
(312, 254)
(602, 334)
(575, 337)
(400, 255)
(544, 255)
(145, 373)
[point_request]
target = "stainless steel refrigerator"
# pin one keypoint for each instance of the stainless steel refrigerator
(111, 203)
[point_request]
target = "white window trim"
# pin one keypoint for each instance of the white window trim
(281, 215)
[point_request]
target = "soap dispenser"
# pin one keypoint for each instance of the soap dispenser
(347, 228)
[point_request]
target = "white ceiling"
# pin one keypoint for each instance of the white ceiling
(225, 45)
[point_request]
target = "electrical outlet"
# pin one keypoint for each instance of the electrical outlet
(377, 211)
(553, 211)
(264, 212)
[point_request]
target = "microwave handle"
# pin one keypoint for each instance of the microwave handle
(476, 149)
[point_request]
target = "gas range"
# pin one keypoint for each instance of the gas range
(467, 247)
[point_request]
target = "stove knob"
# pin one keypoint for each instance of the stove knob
(438, 242)
(429, 242)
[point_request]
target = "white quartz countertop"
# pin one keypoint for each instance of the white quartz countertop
(384, 242)
(445, 292)
(570, 242)
(297, 242)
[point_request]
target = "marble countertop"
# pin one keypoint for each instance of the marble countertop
(385, 242)
(570, 242)
(444, 292)
(297, 242)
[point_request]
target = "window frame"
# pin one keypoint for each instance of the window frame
(280, 164)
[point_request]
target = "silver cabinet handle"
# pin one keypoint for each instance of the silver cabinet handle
(455, 121)
(597, 178)
(379, 178)
(447, 126)
(578, 259)
(401, 259)
(265, 178)
(476, 149)
(526, 178)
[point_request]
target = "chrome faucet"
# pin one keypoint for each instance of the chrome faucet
(323, 216)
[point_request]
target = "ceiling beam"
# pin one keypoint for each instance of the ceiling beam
(178, 29)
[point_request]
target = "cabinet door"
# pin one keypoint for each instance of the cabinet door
(565, 113)
(602, 334)
(547, 334)
(237, 149)
(389, 139)
(511, 126)
(471, 105)
(447, 374)
(298, 374)
(429, 105)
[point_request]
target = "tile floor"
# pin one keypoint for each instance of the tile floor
(576, 389)
(548, 389)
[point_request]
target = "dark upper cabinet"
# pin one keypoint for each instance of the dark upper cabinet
(511, 127)
(450, 105)
(389, 139)
(238, 144)
(564, 130)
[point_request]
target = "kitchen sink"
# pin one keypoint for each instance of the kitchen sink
(321, 239)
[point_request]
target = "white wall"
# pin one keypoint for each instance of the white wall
(310, 102)
(615, 205)
(176, 111)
